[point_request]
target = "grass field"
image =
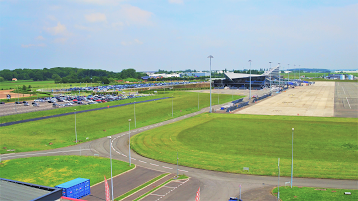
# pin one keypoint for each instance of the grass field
(60, 131)
(323, 147)
(314, 194)
(54, 170)
(40, 84)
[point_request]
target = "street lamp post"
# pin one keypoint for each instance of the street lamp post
(278, 186)
(270, 75)
(299, 75)
(250, 81)
(288, 73)
(292, 159)
(279, 75)
(110, 156)
(210, 56)
(294, 75)
(129, 138)
(75, 126)
(198, 101)
(135, 120)
(172, 106)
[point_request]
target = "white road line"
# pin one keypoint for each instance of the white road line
(53, 152)
(169, 187)
(167, 167)
(153, 164)
(343, 90)
(142, 161)
(182, 170)
(348, 103)
(158, 195)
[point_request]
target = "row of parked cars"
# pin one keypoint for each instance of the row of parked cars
(63, 101)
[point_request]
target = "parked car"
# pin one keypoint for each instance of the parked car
(17, 102)
(26, 104)
(35, 104)
(2, 102)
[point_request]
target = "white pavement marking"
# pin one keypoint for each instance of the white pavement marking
(153, 164)
(169, 187)
(348, 103)
(46, 153)
(182, 170)
(343, 90)
(158, 195)
(142, 161)
(167, 167)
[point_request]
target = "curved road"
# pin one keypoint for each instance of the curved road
(213, 185)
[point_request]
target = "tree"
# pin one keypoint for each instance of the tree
(24, 88)
(2, 79)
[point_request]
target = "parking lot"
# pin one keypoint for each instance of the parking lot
(59, 101)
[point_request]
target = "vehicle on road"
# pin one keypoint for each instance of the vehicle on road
(17, 102)
(2, 102)
(35, 104)
(234, 199)
(26, 104)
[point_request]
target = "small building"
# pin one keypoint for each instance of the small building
(14, 79)
(16, 190)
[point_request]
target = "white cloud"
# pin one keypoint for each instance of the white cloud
(33, 45)
(96, 17)
(60, 40)
(135, 15)
(138, 41)
(40, 38)
(60, 29)
(176, 1)
(80, 27)
(134, 42)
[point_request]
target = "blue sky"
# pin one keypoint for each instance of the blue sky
(178, 34)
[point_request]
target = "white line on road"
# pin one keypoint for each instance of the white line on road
(153, 164)
(348, 103)
(53, 152)
(182, 170)
(142, 161)
(167, 167)
(158, 195)
(343, 90)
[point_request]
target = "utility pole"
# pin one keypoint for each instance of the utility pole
(210, 56)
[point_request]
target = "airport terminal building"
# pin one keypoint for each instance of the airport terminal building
(242, 81)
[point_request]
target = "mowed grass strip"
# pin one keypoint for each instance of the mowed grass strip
(62, 110)
(60, 131)
(140, 187)
(314, 194)
(323, 147)
(55, 170)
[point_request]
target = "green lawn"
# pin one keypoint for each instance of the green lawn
(47, 85)
(60, 131)
(315, 194)
(323, 147)
(55, 170)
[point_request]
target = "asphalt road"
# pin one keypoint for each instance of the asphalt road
(213, 185)
(346, 99)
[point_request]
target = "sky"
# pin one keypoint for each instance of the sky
(148, 35)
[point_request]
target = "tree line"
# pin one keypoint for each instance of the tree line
(69, 75)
